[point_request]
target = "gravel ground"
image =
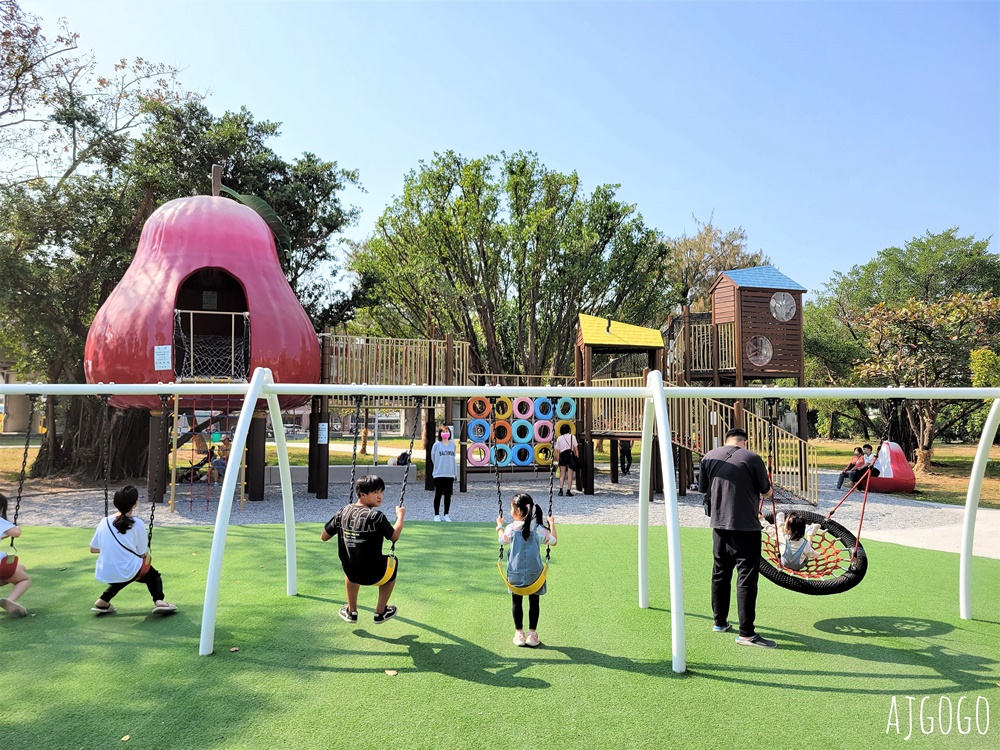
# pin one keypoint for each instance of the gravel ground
(612, 504)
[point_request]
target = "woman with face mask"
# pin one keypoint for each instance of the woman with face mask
(445, 469)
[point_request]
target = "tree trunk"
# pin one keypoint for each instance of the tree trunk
(923, 464)
(80, 451)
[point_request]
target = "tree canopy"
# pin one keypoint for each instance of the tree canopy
(505, 252)
(696, 261)
(910, 317)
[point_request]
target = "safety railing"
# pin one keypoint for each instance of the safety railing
(209, 347)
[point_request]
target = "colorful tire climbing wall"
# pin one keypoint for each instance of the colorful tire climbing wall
(515, 432)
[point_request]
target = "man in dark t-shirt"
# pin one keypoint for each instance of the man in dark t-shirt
(360, 529)
(733, 480)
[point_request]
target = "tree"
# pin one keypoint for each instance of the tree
(911, 316)
(696, 262)
(830, 357)
(505, 253)
(927, 345)
(68, 233)
(174, 158)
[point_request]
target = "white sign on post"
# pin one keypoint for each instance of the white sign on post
(209, 300)
(322, 433)
(162, 359)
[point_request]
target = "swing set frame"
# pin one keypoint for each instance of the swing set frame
(263, 386)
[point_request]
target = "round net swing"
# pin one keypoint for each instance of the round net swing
(841, 564)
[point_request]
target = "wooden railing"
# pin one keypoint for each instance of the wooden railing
(727, 346)
(698, 424)
(791, 460)
(701, 424)
(700, 347)
(489, 378)
(386, 361)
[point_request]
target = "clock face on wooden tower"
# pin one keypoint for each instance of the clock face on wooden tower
(782, 306)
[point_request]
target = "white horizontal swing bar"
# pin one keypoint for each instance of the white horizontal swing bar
(261, 385)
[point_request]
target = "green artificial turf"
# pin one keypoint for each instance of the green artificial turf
(302, 678)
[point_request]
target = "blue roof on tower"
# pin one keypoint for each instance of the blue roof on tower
(763, 277)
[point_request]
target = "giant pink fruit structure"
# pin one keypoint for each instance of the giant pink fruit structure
(205, 272)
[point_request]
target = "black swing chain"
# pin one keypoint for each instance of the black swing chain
(496, 467)
(106, 427)
(413, 436)
(406, 468)
(33, 401)
(164, 435)
(552, 465)
(357, 436)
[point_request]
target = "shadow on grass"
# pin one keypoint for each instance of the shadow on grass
(936, 668)
(462, 660)
(651, 668)
(870, 627)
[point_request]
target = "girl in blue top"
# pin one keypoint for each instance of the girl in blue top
(525, 536)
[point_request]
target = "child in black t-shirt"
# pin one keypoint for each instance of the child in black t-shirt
(360, 529)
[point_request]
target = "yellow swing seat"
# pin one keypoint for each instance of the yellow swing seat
(531, 588)
(390, 571)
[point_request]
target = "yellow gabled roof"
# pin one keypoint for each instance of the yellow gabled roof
(594, 332)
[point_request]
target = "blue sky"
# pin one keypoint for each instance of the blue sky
(828, 130)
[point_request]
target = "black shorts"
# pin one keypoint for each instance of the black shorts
(566, 458)
(371, 576)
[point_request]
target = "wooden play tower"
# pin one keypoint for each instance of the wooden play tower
(752, 336)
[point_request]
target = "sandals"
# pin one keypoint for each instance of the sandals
(166, 609)
(104, 610)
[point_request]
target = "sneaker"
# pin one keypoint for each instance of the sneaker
(12, 608)
(532, 640)
(437, 519)
(756, 640)
(519, 639)
(722, 628)
(560, 492)
(390, 612)
(447, 518)
(347, 616)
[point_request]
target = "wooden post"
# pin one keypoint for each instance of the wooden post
(738, 420)
(614, 460)
(686, 364)
(463, 465)
(429, 436)
(323, 425)
(313, 444)
(156, 480)
(256, 444)
(715, 354)
(449, 379)
(584, 478)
